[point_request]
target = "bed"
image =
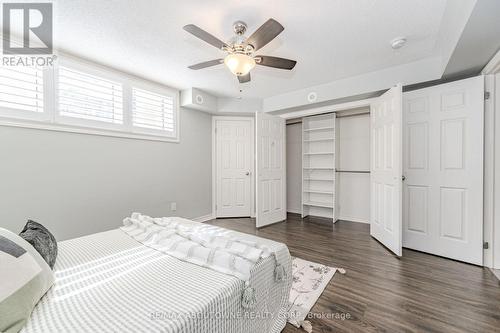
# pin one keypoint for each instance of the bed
(110, 282)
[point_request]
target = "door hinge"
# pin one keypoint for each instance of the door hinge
(487, 95)
(486, 245)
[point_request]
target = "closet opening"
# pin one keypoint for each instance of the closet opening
(328, 165)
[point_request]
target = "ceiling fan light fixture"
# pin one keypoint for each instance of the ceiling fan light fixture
(239, 50)
(239, 64)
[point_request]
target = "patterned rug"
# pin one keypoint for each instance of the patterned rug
(309, 281)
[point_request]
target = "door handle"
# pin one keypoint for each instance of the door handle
(248, 173)
(403, 178)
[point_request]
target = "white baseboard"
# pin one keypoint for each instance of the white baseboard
(496, 272)
(204, 218)
(352, 219)
(295, 211)
(211, 216)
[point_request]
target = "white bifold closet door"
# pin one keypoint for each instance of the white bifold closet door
(443, 190)
(271, 169)
(386, 169)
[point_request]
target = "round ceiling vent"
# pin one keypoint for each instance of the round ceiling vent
(312, 97)
(199, 99)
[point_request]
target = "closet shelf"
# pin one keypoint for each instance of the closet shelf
(319, 140)
(318, 165)
(318, 204)
(318, 191)
(318, 168)
(321, 153)
(319, 128)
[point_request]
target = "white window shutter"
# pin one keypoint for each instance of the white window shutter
(153, 111)
(78, 96)
(89, 97)
(21, 88)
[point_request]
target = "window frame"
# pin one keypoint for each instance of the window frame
(50, 119)
(94, 71)
(154, 89)
(25, 115)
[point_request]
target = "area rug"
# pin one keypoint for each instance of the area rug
(308, 282)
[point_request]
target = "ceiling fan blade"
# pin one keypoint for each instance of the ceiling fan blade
(266, 33)
(205, 36)
(275, 62)
(207, 64)
(244, 78)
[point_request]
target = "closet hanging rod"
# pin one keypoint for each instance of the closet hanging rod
(339, 116)
(352, 171)
(353, 114)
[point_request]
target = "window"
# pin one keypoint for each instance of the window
(21, 88)
(79, 96)
(89, 97)
(152, 111)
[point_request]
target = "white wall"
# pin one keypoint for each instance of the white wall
(294, 168)
(234, 106)
(496, 213)
(353, 153)
(419, 71)
(79, 184)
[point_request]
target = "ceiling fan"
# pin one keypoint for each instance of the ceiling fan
(240, 58)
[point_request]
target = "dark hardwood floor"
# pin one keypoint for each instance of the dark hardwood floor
(380, 292)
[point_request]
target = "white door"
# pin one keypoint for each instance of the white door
(234, 165)
(443, 166)
(271, 173)
(386, 170)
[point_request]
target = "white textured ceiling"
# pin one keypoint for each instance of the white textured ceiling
(330, 39)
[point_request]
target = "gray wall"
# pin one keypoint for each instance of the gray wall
(294, 168)
(79, 184)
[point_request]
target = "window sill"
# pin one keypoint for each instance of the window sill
(84, 130)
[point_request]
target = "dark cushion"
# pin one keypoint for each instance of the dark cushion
(42, 240)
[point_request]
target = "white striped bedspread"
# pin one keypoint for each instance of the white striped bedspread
(109, 282)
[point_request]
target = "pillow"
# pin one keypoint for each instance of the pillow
(25, 278)
(42, 240)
